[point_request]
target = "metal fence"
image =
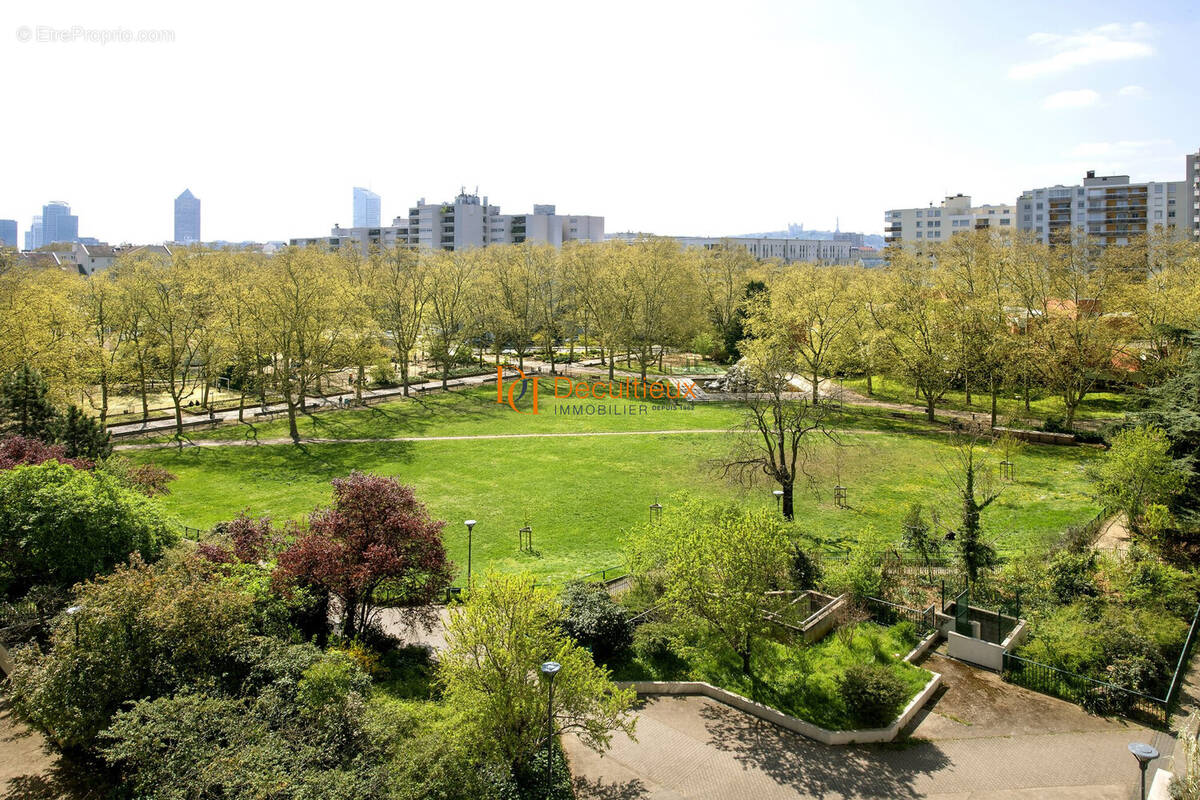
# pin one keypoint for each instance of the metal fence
(1095, 696)
(1099, 696)
(886, 613)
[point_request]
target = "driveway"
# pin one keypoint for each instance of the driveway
(980, 739)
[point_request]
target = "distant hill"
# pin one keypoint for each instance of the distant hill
(795, 231)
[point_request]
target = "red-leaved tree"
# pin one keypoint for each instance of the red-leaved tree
(376, 533)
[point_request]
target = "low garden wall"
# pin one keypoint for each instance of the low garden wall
(787, 721)
(795, 724)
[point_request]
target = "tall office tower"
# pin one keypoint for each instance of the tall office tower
(58, 223)
(33, 236)
(366, 208)
(187, 218)
(8, 233)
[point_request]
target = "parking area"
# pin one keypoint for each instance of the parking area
(980, 739)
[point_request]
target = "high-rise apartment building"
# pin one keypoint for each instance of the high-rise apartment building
(917, 226)
(465, 223)
(1109, 209)
(8, 233)
(58, 223)
(366, 208)
(187, 218)
(1192, 180)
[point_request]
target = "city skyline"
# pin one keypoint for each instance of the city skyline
(811, 113)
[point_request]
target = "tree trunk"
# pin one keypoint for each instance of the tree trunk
(612, 362)
(788, 511)
(1026, 392)
(404, 372)
(967, 390)
(103, 401)
(816, 399)
(870, 388)
(293, 430)
(142, 389)
(929, 408)
(350, 608)
(995, 391)
(358, 384)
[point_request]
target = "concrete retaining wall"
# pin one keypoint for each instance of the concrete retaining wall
(787, 721)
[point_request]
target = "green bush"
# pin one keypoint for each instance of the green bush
(595, 620)
(141, 632)
(652, 641)
(1072, 575)
(60, 525)
(873, 695)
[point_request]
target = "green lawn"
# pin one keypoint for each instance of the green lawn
(796, 679)
(1101, 405)
(581, 493)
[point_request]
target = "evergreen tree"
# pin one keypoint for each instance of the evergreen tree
(83, 436)
(25, 408)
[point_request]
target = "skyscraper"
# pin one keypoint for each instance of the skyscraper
(8, 233)
(366, 208)
(187, 218)
(33, 236)
(58, 223)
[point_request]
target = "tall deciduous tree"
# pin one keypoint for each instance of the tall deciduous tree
(489, 668)
(779, 427)
(716, 565)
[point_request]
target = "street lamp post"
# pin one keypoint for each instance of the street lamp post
(470, 529)
(1144, 754)
(73, 611)
(778, 500)
(549, 670)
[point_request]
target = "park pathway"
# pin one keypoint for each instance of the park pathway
(320, 440)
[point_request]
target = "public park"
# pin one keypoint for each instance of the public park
(327, 524)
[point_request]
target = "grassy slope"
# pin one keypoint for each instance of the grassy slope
(579, 494)
(801, 681)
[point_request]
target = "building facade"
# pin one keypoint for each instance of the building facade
(955, 214)
(58, 223)
(1109, 209)
(467, 222)
(187, 218)
(818, 251)
(33, 236)
(8, 233)
(366, 208)
(1192, 179)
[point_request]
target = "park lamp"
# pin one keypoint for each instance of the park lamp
(470, 523)
(549, 670)
(778, 499)
(73, 612)
(1144, 754)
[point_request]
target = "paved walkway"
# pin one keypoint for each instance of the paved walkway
(318, 440)
(980, 739)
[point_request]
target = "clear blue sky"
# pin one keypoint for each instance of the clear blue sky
(681, 118)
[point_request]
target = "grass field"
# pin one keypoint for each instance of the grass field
(1101, 405)
(581, 493)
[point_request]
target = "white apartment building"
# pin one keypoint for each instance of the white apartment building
(467, 222)
(919, 226)
(821, 251)
(1108, 208)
